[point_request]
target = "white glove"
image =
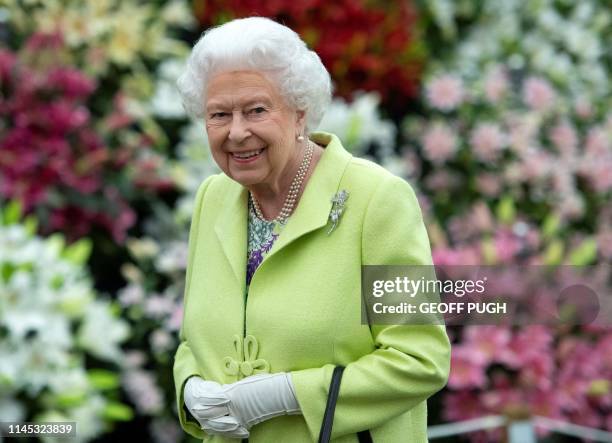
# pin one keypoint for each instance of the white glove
(261, 397)
(208, 404)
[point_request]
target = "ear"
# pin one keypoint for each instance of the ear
(300, 121)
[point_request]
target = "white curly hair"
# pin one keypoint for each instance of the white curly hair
(263, 45)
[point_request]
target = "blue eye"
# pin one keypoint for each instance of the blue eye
(258, 110)
(218, 114)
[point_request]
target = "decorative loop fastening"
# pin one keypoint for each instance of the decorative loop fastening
(247, 362)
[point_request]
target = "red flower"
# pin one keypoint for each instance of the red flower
(365, 45)
(52, 157)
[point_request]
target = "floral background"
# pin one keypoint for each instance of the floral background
(498, 114)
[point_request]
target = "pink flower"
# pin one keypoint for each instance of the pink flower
(487, 141)
(604, 245)
(459, 256)
(538, 371)
(536, 164)
(161, 341)
(564, 136)
(507, 245)
(502, 400)
(481, 217)
(538, 94)
(587, 416)
(442, 180)
(439, 143)
(143, 391)
(571, 206)
(72, 83)
(486, 342)
(158, 306)
(545, 403)
(7, 61)
(601, 175)
(462, 405)
(134, 359)
(489, 184)
(522, 132)
(496, 84)
(467, 368)
(529, 342)
(608, 123)
(131, 295)
(583, 108)
(598, 143)
(445, 92)
(173, 323)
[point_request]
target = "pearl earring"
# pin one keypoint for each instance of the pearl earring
(300, 138)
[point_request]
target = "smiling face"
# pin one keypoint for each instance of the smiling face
(252, 130)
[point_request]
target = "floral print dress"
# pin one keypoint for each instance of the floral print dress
(261, 237)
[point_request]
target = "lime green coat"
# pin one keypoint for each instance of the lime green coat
(303, 313)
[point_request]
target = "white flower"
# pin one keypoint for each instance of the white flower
(140, 386)
(178, 13)
(358, 124)
(88, 417)
(11, 410)
(166, 101)
(174, 257)
(161, 341)
(101, 332)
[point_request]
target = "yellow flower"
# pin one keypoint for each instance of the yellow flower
(127, 33)
(599, 387)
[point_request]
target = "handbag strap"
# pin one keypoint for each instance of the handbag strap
(330, 408)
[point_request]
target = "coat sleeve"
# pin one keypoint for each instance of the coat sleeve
(185, 364)
(410, 362)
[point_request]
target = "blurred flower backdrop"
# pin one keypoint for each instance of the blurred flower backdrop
(498, 113)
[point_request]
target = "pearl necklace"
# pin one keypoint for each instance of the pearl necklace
(294, 189)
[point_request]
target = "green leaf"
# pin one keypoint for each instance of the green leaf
(71, 399)
(506, 212)
(78, 252)
(487, 248)
(554, 253)
(12, 212)
(115, 411)
(6, 271)
(102, 379)
(551, 226)
(57, 243)
(31, 225)
(585, 253)
(352, 133)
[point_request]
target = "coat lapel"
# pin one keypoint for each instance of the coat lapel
(311, 213)
(315, 204)
(231, 228)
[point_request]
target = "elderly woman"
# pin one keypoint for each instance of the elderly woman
(273, 289)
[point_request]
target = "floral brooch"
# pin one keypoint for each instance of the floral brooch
(337, 209)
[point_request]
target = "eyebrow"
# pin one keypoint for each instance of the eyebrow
(258, 98)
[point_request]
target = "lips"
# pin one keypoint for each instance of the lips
(246, 156)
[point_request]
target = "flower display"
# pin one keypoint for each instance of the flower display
(45, 295)
(496, 112)
(521, 185)
(365, 45)
(72, 92)
(359, 124)
(523, 133)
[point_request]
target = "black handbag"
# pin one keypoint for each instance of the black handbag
(330, 407)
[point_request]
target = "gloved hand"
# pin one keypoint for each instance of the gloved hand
(208, 404)
(261, 397)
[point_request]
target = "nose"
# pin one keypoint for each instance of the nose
(239, 128)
